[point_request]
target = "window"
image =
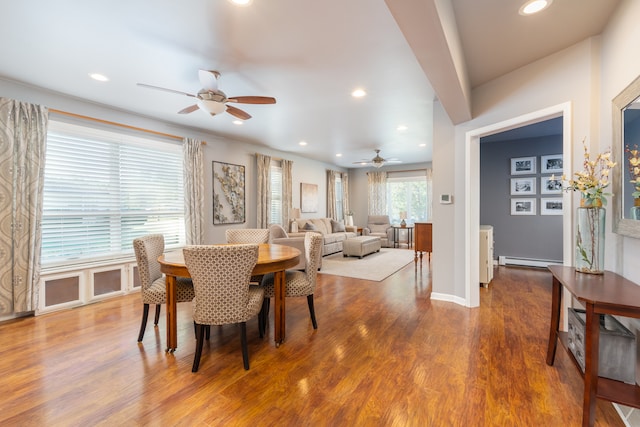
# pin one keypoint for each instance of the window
(102, 189)
(276, 193)
(408, 193)
(339, 198)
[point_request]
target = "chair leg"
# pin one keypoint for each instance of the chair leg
(264, 313)
(143, 325)
(261, 321)
(155, 321)
(208, 330)
(312, 311)
(200, 339)
(243, 339)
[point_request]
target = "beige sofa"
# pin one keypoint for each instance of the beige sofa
(333, 233)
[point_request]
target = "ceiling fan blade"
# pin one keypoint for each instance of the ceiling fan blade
(166, 90)
(209, 79)
(189, 109)
(252, 99)
(243, 115)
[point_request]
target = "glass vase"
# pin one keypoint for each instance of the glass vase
(590, 223)
(634, 212)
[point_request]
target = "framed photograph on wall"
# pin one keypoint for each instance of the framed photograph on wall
(551, 206)
(551, 163)
(549, 185)
(523, 206)
(523, 186)
(523, 165)
(228, 193)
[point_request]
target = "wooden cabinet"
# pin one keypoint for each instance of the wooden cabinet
(486, 254)
(423, 239)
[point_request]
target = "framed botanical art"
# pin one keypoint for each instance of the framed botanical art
(551, 206)
(551, 163)
(550, 185)
(228, 193)
(523, 165)
(523, 186)
(523, 206)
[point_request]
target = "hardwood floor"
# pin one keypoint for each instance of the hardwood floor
(384, 354)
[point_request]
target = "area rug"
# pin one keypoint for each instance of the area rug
(376, 266)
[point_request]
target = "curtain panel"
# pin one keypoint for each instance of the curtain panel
(23, 136)
(345, 195)
(193, 167)
(287, 191)
(331, 194)
(377, 197)
(263, 190)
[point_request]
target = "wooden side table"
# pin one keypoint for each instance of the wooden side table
(601, 294)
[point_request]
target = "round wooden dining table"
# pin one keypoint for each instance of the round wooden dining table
(271, 259)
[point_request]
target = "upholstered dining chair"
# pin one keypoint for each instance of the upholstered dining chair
(220, 275)
(152, 282)
(248, 235)
(298, 283)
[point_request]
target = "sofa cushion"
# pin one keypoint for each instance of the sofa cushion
(309, 227)
(337, 227)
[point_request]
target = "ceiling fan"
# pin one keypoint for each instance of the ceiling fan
(213, 100)
(377, 161)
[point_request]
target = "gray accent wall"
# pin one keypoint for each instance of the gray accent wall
(521, 236)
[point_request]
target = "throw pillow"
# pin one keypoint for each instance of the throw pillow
(337, 227)
(309, 227)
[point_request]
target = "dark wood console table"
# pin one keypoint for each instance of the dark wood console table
(601, 294)
(423, 234)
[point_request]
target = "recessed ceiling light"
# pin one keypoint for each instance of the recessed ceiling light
(358, 93)
(238, 122)
(339, 155)
(534, 6)
(303, 143)
(422, 145)
(241, 2)
(99, 77)
(402, 128)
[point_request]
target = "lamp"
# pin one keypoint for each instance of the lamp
(294, 214)
(403, 216)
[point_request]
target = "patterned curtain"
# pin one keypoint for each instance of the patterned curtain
(193, 172)
(287, 191)
(331, 194)
(377, 193)
(263, 190)
(23, 139)
(345, 194)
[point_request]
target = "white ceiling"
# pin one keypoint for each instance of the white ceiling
(307, 54)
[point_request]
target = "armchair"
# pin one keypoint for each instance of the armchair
(279, 236)
(380, 226)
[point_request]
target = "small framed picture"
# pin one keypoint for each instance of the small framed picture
(551, 206)
(551, 163)
(523, 165)
(523, 206)
(523, 186)
(549, 185)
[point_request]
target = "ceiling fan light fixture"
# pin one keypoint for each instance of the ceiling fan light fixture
(211, 107)
(377, 164)
(534, 6)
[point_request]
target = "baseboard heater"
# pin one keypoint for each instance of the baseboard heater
(527, 262)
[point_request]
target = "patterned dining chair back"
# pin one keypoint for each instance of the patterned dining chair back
(247, 235)
(220, 275)
(313, 254)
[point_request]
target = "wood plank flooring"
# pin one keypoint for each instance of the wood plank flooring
(384, 354)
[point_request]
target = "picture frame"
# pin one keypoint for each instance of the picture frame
(308, 197)
(550, 186)
(523, 165)
(526, 206)
(551, 163)
(228, 193)
(523, 186)
(551, 206)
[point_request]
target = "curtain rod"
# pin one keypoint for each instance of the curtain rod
(107, 122)
(272, 158)
(407, 170)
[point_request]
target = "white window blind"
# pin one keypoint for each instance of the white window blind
(276, 193)
(102, 189)
(339, 197)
